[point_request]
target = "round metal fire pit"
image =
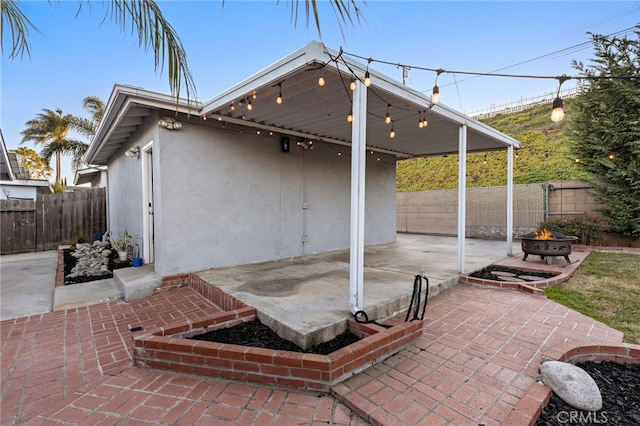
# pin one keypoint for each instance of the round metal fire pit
(560, 245)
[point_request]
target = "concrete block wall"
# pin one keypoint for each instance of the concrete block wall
(571, 198)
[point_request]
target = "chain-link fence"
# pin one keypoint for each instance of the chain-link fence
(436, 212)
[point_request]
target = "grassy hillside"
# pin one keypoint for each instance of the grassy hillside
(543, 156)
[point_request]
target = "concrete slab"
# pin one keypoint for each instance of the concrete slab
(307, 299)
(137, 283)
(27, 281)
(85, 294)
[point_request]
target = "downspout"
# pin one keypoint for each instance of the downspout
(462, 194)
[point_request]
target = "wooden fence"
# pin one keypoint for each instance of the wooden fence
(51, 220)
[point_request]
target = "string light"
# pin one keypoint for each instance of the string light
(352, 85)
(392, 133)
(232, 107)
(254, 95)
(321, 80)
(612, 156)
(367, 76)
(204, 117)
(249, 105)
(279, 98)
(387, 118)
(367, 79)
(557, 114)
(350, 117)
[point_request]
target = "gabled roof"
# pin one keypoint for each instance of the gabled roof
(307, 110)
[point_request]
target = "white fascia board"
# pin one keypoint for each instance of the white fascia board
(26, 182)
(474, 125)
(276, 72)
(122, 98)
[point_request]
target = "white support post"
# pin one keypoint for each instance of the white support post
(510, 200)
(358, 162)
(462, 195)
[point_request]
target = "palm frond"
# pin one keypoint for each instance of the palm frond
(154, 32)
(84, 126)
(95, 106)
(19, 25)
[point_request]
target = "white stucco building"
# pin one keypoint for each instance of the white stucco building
(243, 178)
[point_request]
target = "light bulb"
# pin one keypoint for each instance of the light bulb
(425, 123)
(435, 98)
(249, 106)
(392, 133)
(232, 107)
(254, 95)
(350, 117)
(387, 119)
(557, 115)
(420, 123)
(321, 80)
(352, 85)
(367, 79)
(279, 99)
(204, 117)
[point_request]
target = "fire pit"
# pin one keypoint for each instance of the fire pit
(547, 244)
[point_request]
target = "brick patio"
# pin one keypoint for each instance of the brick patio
(478, 355)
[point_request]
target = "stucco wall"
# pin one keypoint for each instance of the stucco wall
(124, 194)
(228, 198)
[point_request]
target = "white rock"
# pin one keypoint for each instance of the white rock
(574, 385)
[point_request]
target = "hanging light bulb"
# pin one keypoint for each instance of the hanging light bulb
(420, 123)
(279, 98)
(557, 115)
(204, 117)
(392, 133)
(350, 117)
(232, 107)
(367, 78)
(249, 105)
(352, 85)
(387, 118)
(435, 98)
(321, 80)
(254, 95)
(425, 123)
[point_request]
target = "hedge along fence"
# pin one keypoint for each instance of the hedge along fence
(51, 220)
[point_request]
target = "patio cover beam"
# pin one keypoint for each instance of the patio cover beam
(510, 200)
(462, 194)
(358, 160)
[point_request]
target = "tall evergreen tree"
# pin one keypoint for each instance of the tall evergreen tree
(606, 128)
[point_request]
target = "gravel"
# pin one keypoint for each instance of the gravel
(620, 388)
(254, 333)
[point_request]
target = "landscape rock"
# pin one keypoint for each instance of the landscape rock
(93, 260)
(574, 385)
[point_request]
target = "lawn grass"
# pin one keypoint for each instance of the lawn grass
(606, 288)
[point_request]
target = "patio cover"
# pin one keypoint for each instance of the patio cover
(319, 113)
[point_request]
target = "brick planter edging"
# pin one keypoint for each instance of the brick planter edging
(528, 409)
(168, 349)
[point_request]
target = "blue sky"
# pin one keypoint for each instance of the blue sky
(74, 57)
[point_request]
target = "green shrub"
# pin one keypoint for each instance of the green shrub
(588, 231)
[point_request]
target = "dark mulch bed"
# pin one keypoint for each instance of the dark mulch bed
(488, 273)
(620, 388)
(70, 262)
(254, 333)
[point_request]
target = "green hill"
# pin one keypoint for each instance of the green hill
(543, 156)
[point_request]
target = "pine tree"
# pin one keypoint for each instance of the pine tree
(606, 129)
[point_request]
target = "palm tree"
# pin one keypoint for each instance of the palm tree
(85, 126)
(51, 129)
(144, 18)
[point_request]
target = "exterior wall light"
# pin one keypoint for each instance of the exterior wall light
(133, 152)
(169, 123)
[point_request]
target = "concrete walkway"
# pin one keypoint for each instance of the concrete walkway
(479, 353)
(27, 283)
